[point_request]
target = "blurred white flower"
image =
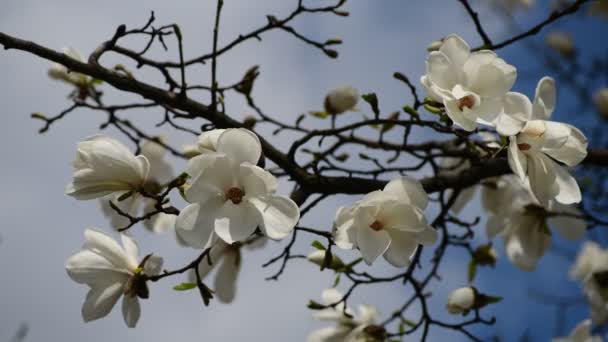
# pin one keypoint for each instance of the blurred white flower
(511, 6)
(341, 99)
(524, 224)
(461, 300)
(317, 257)
(104, 166)
(159, 174)
(532, 155)
(591, 269)
(231, 196)
(562, 43)
(471, 86)
(347, 329)
(112, 271)
(600, 98)
(61, 73)
(387, 222)
(582, 333)
(599, 8)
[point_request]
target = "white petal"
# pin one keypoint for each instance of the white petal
(213, 181)
(240, 145)
(100, 300)
(440, 70)
(452, 110)
(153, 265)
(403, 245)
(104, 245)
(456, 49)
(569, 192)
(131, 249)
(227, 273)
(130, 310)
(87, 267)
(428, 236)
(464, 197)
(256, 181)
(371, 243)
(195, 225)
(236, 222)
(543, 178)
(573, 151)
(544, 99)
(207, 141)
(408, 189)
(571, 228)
(279, 215)
(517, 109)
(517, 159)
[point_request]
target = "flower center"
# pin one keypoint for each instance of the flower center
(235, 195)
(377, 225)
(467, 101)
(524, 147)
(136, 286)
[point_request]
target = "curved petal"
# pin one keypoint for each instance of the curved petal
(279, 215)
(572, 228)
(428, 236)
(517, 108)
(256, 181)
(87, 267)
(131, 249)
(544, 99)
(568, 190)
(573, 151)
(153, 265)
(227, 273)
(543, 178)
(403, 245)
(465, 196)
(100, 300)
(440, 70)
(194, 225)
(105, 246)
(236, 222)
(456, 49)
(371, 243)
(408, 189)
(130, 310)
(454, 113)
(240, 145)
(492, 79)
(517, 159)
(213, 181)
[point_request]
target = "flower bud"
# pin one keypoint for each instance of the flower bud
(600, 98)
(562, 43)
(341, 99)
(461, 300)
(190, 150)
(434, 46)
(485, 255)
(318, 257)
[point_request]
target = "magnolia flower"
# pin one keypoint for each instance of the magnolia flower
(231, 196)
(532, 155)
(599, 8)
(524, 224)
(561, 42)
(104, 166)
(591, 268)
(582, 333)
(111, 271)
(226, 259)
(471, 86)
(518, 109)
(600, 98)
(160, 173)
(461, 300)
(341, 99)
(347, 329)
(387, 222)
(318, 258)
(61, 73)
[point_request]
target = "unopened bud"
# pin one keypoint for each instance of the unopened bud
(434, 46)
(562, 43)
(600, 99)
(341, 99)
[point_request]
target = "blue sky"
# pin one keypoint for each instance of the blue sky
(41, 227)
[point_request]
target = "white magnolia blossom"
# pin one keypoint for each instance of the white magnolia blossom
(341, 99)
(600, 98)
(582, 333)
(387, 222)
(230, 196)
(524, 225)
(347, 329)
(104, 166)
(471, 86)
(160, 173)
(591, 268)
(61, 73)
(561, 42)
(461, 300)
(226, 261)
(112, 271)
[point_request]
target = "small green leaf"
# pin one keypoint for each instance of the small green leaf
(432, 109)
(411, 111)
(315, 306)
(184, 287)
(337, 280)
(96, 81)
(388, 126)
(372, 100)
(318, 245)
(320, 115)
(472, 270)
(492, 299)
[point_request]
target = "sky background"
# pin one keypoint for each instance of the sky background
(41, 226)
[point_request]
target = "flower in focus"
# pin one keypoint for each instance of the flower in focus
(562, 43)
(524, 224)
(61, 73)
(533, 153)
(582, 333)
(160, 173)
(341, 99)
(359, 328)
(104, 166)
(387, 222)
(112, 271)
(226, 260)
(230, 196)
(471, 86)
(591, 268)
(461, 300)
(600, 98)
